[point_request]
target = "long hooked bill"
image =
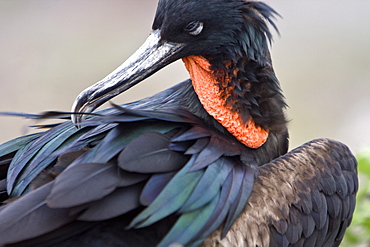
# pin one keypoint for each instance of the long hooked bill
(148, 59)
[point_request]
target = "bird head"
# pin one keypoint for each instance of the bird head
(215, 29)
(215, 36)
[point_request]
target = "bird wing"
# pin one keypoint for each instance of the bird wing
(324, 187)
(303, 198)
(162, 164)
(154, 170)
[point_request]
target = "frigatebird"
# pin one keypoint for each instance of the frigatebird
(203, 163)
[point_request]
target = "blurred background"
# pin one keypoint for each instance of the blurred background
(51, 50)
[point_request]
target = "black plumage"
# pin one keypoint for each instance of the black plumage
(164, 170)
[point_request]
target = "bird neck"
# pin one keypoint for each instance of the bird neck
(214, 93)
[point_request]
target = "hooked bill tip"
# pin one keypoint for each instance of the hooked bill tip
(78, 109)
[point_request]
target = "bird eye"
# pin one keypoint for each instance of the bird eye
(194, 28)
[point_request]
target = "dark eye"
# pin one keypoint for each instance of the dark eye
(194, 28)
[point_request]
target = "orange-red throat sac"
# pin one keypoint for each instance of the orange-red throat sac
(209, 94)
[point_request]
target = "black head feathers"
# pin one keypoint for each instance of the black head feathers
(222, 27)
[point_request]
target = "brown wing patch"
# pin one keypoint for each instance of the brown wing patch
(306, 196)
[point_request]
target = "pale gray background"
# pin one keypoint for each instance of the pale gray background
(51, 50)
